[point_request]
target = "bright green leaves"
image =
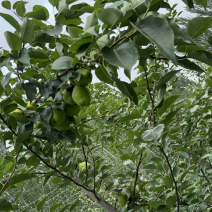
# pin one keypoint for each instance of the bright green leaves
(13, 40)
(109, 16)
(27, 31)
(125, 55)
(153, 134)
(197, 26)
(160, 33)
(39, 12)
(64, 62)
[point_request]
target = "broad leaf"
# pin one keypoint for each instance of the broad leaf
(6, 79)
(203, 56)
(202, 2)
(129, 117)
(41, 203)
(23, 136)
(27, 31)
(6, 4)
(11, 20)
(103, 75)
(64, 62)
(39, 12)
(5, 205)
(189, 3)
(13, 40)
(56, 31)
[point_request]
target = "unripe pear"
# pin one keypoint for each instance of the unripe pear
(17, 113)
(122, 199)
(71, 110)
(31, 106)
(67, 97)
(65, 125)
(82, 166)
(85, 78)
(58, 116)
(81, 95)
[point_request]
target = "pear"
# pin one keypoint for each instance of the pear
(67, 97)
(58, 116)
(71, 110)
(82, 166)
(122, 199)
(130, 188)
(31, 106)
(81, 95)
(65, 125)
(85, 78)
(17, 113)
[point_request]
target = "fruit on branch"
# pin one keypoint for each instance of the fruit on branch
(17, 113)
(85, 78)
(38, 125)
(82, 166)
(122, 199)
(130, 188)
(65, 125)
(31, 106)
(81, 95)
(71, 110)
(58, 116)
(67, 97)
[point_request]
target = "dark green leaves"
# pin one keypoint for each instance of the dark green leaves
(103, 75)
(197, 26)
(5, 205)
(160, 33)
(125, 55)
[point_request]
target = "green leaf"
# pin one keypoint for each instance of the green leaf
(74, 31)
(201, 55)
(31, 90)
(126, 90)
(56, 31)
(64, 208)
(197, 26)
(20, 8)
(41, 203)
(13, 40)
(91, 21)
(161, 96)
(155, 204)
(166, 78)
(153, 134)
(54, 2)
(39, 13)
(168, 182)
(189, 3)
(24, 57)
(125, 55)
(168, 118)
(6, 79)
(27, 31)
(9, 108)
(109, 16)
(70, 136)
(64, 62)
(202, 2)
(17, 179)
(167, 103)
(6, 4)
(74, 206)
(158, 31)
(23, 136)
(190, 65)
(129, 117)
(103, 75)
(54, 207)
(5, 205)
(149, 167)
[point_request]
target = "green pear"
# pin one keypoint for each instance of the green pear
(17, 113)
(31, 106)
(38, 125)
(82, 166)
(85, 78)
(67, 97)
(122, 199)
(71, 110)
(58, 116)
(131, 188)
(81, 95)
(65, 125)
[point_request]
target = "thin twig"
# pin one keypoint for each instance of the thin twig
(172, 176)
(136, 179)
(204, 175)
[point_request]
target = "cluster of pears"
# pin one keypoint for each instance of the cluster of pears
(123, 198)
(74, 97)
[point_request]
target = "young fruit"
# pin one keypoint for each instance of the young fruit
(82, 166)
(31, 106)
(71, 110)
(85, 78)
(67, 97)
(38, 125)
(122, 199)
(130, 188)
(64, 125)
(81, 95)
(17, 113)
(58, 116)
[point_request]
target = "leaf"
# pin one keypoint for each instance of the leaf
(167, 104)
(17, 179)
(125, 55)
(161, 96)
(103, 75)
(190, 65)
(9, 108)
(153, 134)
(64, 62)
(56, 31)
(70, 136)
(11, 20)
(155, 204)
(24, 57)
(126, 90)
(23, 136)
(109, 16)
(149, 167)
(197, 26)
(5, 205)
(160, 33)
(54, 2)
(41, 203)
(31, 90)
(129, 118)
(13, 40)
(166, 78)
(20, 8)
(201, 55)
(27, 31)
(54, 207)
(6, 5)
(91, 21)
(168, 182)
(189, 3)
(202, 2)
(74, 206)
(168, 118)
(6, 79)
(39, 13)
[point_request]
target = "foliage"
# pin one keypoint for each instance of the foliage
(145, 140)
